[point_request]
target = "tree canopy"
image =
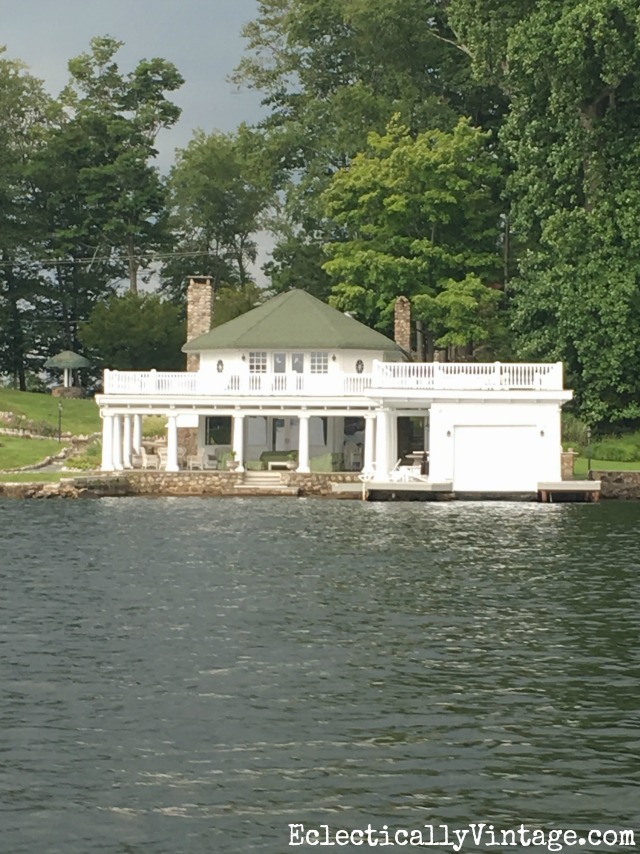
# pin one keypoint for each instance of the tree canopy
(479, 157)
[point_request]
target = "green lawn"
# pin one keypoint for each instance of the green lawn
(33, 476)
(16, 451)
(581, 466)
(78, 416)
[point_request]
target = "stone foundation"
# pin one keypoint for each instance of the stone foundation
(156, 484)
(623, 485)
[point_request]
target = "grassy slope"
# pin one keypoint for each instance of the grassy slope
(78, 416)
(16, 451)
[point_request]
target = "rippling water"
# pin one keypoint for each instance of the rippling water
(193, 675)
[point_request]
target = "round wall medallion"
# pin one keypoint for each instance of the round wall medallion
(359, 366)
(220, 366)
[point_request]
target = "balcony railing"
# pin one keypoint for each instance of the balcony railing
(266, 384)
(467, 376)
(408, 376)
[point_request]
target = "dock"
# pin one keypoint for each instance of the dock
(548, 492)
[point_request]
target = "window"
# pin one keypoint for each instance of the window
(359, 366)
(319, 363)
(220, 366)
(297, 362)
(279, 363)
(217, 430)
(258, 363)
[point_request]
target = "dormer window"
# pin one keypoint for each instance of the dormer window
(319, 362)
(258, 362)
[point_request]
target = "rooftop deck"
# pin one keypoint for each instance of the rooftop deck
(406, 376)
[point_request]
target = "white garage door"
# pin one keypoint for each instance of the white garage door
(495, 459)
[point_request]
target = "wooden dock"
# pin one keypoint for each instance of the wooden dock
(579, 491)
(569, 490)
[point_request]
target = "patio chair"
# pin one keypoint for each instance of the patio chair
(148, 461)
(210, 461)
(162, 458)
(196, 461)
(396, 475)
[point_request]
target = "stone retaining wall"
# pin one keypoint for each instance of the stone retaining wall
(623, 485)
(155, 483)
(317, 483)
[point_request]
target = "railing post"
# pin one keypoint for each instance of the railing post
(496, 374)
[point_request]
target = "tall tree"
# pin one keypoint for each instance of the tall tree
(417, 217)
(24, 112)
(221, 186)
(334, 70)
(571, 72)
(135, 332)
(115, 118)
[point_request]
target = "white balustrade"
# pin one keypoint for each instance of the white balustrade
(427, 376)
(469, 376)
(149, 383)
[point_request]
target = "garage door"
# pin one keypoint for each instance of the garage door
(495, 459)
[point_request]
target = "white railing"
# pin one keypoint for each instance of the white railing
(267, 384)
(454, 376)
(150, 382)
(427, 376)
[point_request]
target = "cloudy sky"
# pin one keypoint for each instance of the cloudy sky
(202, 38)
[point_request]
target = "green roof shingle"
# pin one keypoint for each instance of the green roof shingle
(293, 319)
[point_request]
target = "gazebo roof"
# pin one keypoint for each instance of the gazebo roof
(67, 359)
(293, 319)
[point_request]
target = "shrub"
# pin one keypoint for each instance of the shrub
(90, 459)
(154, 425)
(575, 433)
(617, 450)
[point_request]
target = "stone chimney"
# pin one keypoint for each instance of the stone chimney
(199, 313)
(402, 324)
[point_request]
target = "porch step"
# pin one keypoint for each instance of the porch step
(265, 482)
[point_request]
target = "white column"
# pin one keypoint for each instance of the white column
(137, 433)
(67, 378)
(107, 443)
(382, 445)
(303, 444)
(117, 442)
(126, 446)
(238, 440)
(369, 447)
(392, 439)
(172, 443)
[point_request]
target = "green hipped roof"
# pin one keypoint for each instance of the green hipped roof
(293, 319)
(67, 359)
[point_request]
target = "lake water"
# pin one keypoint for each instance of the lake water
(184, 675)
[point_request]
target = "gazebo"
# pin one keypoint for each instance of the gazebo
(67, 361)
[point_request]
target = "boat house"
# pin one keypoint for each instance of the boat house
(297, 385)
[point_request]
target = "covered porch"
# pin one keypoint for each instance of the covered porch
(241, 439)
